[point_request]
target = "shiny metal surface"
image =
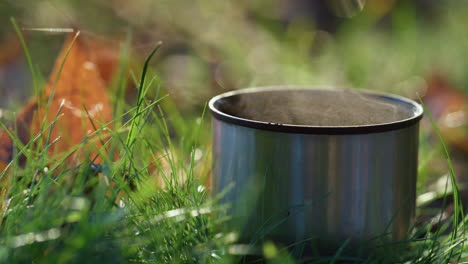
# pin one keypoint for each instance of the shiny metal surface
(296, 186)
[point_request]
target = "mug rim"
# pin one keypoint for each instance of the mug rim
(418, 112)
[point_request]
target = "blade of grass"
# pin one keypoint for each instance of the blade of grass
(458, 208)
(141, 93)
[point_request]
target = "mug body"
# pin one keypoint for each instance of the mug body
(299, 182)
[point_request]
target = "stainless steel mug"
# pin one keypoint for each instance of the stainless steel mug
(297, 164)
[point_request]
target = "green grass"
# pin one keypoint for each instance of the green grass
(149, 204)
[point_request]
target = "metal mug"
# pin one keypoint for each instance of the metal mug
(329, 180)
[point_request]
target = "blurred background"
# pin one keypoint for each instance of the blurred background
(409, 48)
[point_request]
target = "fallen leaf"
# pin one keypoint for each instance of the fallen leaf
(79, 102)
(448, 106)
(105, 53)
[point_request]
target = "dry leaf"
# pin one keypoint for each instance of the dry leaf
(449, 108)
(105, 53)
(80, 87)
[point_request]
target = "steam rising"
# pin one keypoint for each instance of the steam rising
(315, 108)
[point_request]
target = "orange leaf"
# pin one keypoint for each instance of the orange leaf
(79, 91)
(449, 107)
(105, 53)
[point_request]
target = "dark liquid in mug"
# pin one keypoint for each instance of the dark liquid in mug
(315, 108)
